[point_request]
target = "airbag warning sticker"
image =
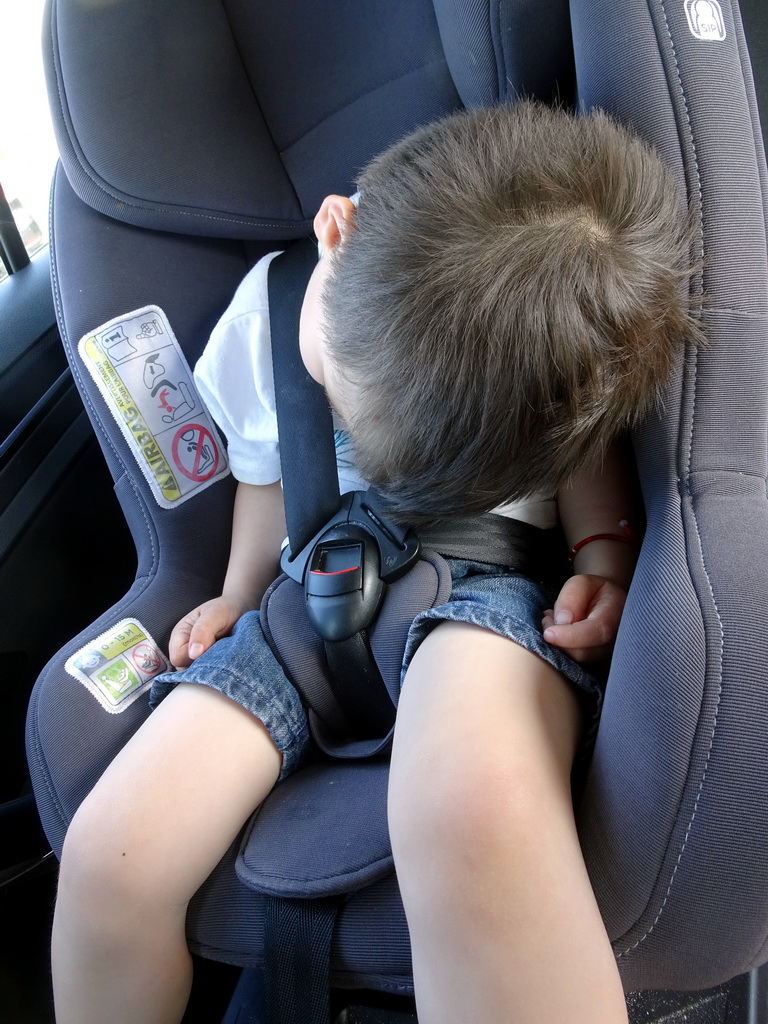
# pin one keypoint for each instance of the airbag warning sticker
(118, 666)
(141, 371)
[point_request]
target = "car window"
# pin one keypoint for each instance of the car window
(27, 146)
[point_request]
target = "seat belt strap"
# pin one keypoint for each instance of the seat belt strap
(538, 553)
(359, 687)
(297, 959)
(310, 478)
(307, 457)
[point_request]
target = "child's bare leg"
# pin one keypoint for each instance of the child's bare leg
(152, 830)
(503, 922)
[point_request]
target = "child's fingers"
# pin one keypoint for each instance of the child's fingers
(585, 655)
(585, 619)
(586, 635)
(200, 636)
(178, 646)
(212, 623)
(576, 599)
(199, 630)
(548, 618)
(573, 605)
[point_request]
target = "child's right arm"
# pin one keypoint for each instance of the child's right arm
(258, 528)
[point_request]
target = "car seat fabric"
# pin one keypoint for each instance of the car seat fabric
(669, 734)
(189, 147)
(229, 92)
(237, 104)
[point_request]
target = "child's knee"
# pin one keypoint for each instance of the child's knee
(94, 866)
(465, 808)
(88, 849)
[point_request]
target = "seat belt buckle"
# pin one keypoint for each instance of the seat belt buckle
(343, 588)
(345, 568)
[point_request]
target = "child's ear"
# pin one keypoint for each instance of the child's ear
(334, 219)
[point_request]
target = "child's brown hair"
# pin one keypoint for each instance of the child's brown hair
(511, 297)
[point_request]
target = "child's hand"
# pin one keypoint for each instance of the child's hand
(586, 616)
(202, 627)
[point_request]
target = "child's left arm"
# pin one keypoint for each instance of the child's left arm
(588, 608)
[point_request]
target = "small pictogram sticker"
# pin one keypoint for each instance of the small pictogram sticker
(705, 19)
(195, 453)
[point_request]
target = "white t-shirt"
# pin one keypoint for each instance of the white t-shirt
(234, 377)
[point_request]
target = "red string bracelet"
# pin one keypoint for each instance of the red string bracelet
(627, 537)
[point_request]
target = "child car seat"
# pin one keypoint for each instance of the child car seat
(192, 146)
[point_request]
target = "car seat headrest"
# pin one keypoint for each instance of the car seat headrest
(499, 52)
(247, 115)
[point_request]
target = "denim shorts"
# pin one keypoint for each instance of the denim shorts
(243, 667)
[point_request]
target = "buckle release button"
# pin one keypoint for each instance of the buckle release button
(335, 569)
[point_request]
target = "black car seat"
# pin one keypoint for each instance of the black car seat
(191, 144)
